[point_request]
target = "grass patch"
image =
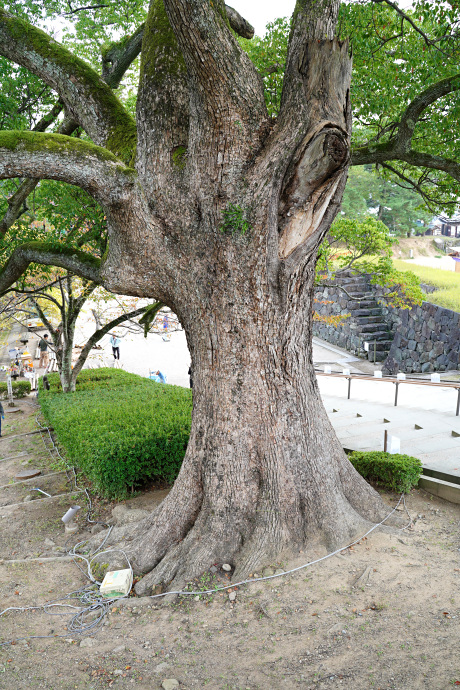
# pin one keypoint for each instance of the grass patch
(447, 282)
(120, 429)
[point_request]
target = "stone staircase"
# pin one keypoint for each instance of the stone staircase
(368, 321)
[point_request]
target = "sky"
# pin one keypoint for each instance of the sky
(259, 12)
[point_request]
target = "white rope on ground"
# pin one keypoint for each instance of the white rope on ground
(300, 567)
(98, 606)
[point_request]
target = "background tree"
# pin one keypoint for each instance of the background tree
(405, 94)
(70, 218)
(217, 211)
(365, 247)
(404, 91)
(401, 210)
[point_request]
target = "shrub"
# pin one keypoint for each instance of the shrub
(20, 389)
(396, 472)
(120, 429)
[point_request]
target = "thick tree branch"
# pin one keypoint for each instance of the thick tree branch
(399, 145)
(427, 160)
(419, 104)
(73, 260)
(86, 96)
(58, 157)
(163, 99)
(117, 58)
(97, 335)
(239, 25)
(382, 153)
(225, 85)
(17, 202)
(313, 24)
(48, 119)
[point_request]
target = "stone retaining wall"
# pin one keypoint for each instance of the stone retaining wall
(346, 334)
(426, 338)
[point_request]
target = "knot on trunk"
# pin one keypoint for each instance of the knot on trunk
(336, 149)
(309, 185)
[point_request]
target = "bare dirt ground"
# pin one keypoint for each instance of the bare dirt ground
(382, 614)
(421, 246)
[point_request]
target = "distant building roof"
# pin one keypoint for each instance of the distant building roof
(455, 220)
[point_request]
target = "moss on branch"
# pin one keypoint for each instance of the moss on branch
(48, 254)
(161, 56)
(75, 161)
(58, 67)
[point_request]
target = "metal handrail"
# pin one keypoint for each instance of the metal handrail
(391, 379)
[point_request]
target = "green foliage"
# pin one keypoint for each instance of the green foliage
(149, 316)
(120, 429)
(398, 208)
(234, 220)
(395, 472)
(365, 247)
(269, 56)
(393, 64)
(23, 97)
(405, 290)
(448, 294)
(349, 240)
(20, 389)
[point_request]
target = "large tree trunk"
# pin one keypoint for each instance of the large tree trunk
(221, 220)
(264, 474)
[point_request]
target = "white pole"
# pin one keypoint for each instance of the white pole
(10, 391)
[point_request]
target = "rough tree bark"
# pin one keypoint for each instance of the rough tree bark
(221, 221)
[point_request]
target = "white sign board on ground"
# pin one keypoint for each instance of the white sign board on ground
(393, 444)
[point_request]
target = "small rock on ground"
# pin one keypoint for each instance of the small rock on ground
(95, 529)
(170, 684)
(124, 516)
(118, 650)
(161, 667)
(88, 642)
(232, 596)
(226, 567)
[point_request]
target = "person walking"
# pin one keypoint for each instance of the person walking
(115, 343)
(2, 414)
(44, 357)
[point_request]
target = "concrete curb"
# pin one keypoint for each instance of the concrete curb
(438, 487)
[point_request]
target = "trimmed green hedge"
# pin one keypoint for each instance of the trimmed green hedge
(396, 472)
(120, 429)
(20, 389)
